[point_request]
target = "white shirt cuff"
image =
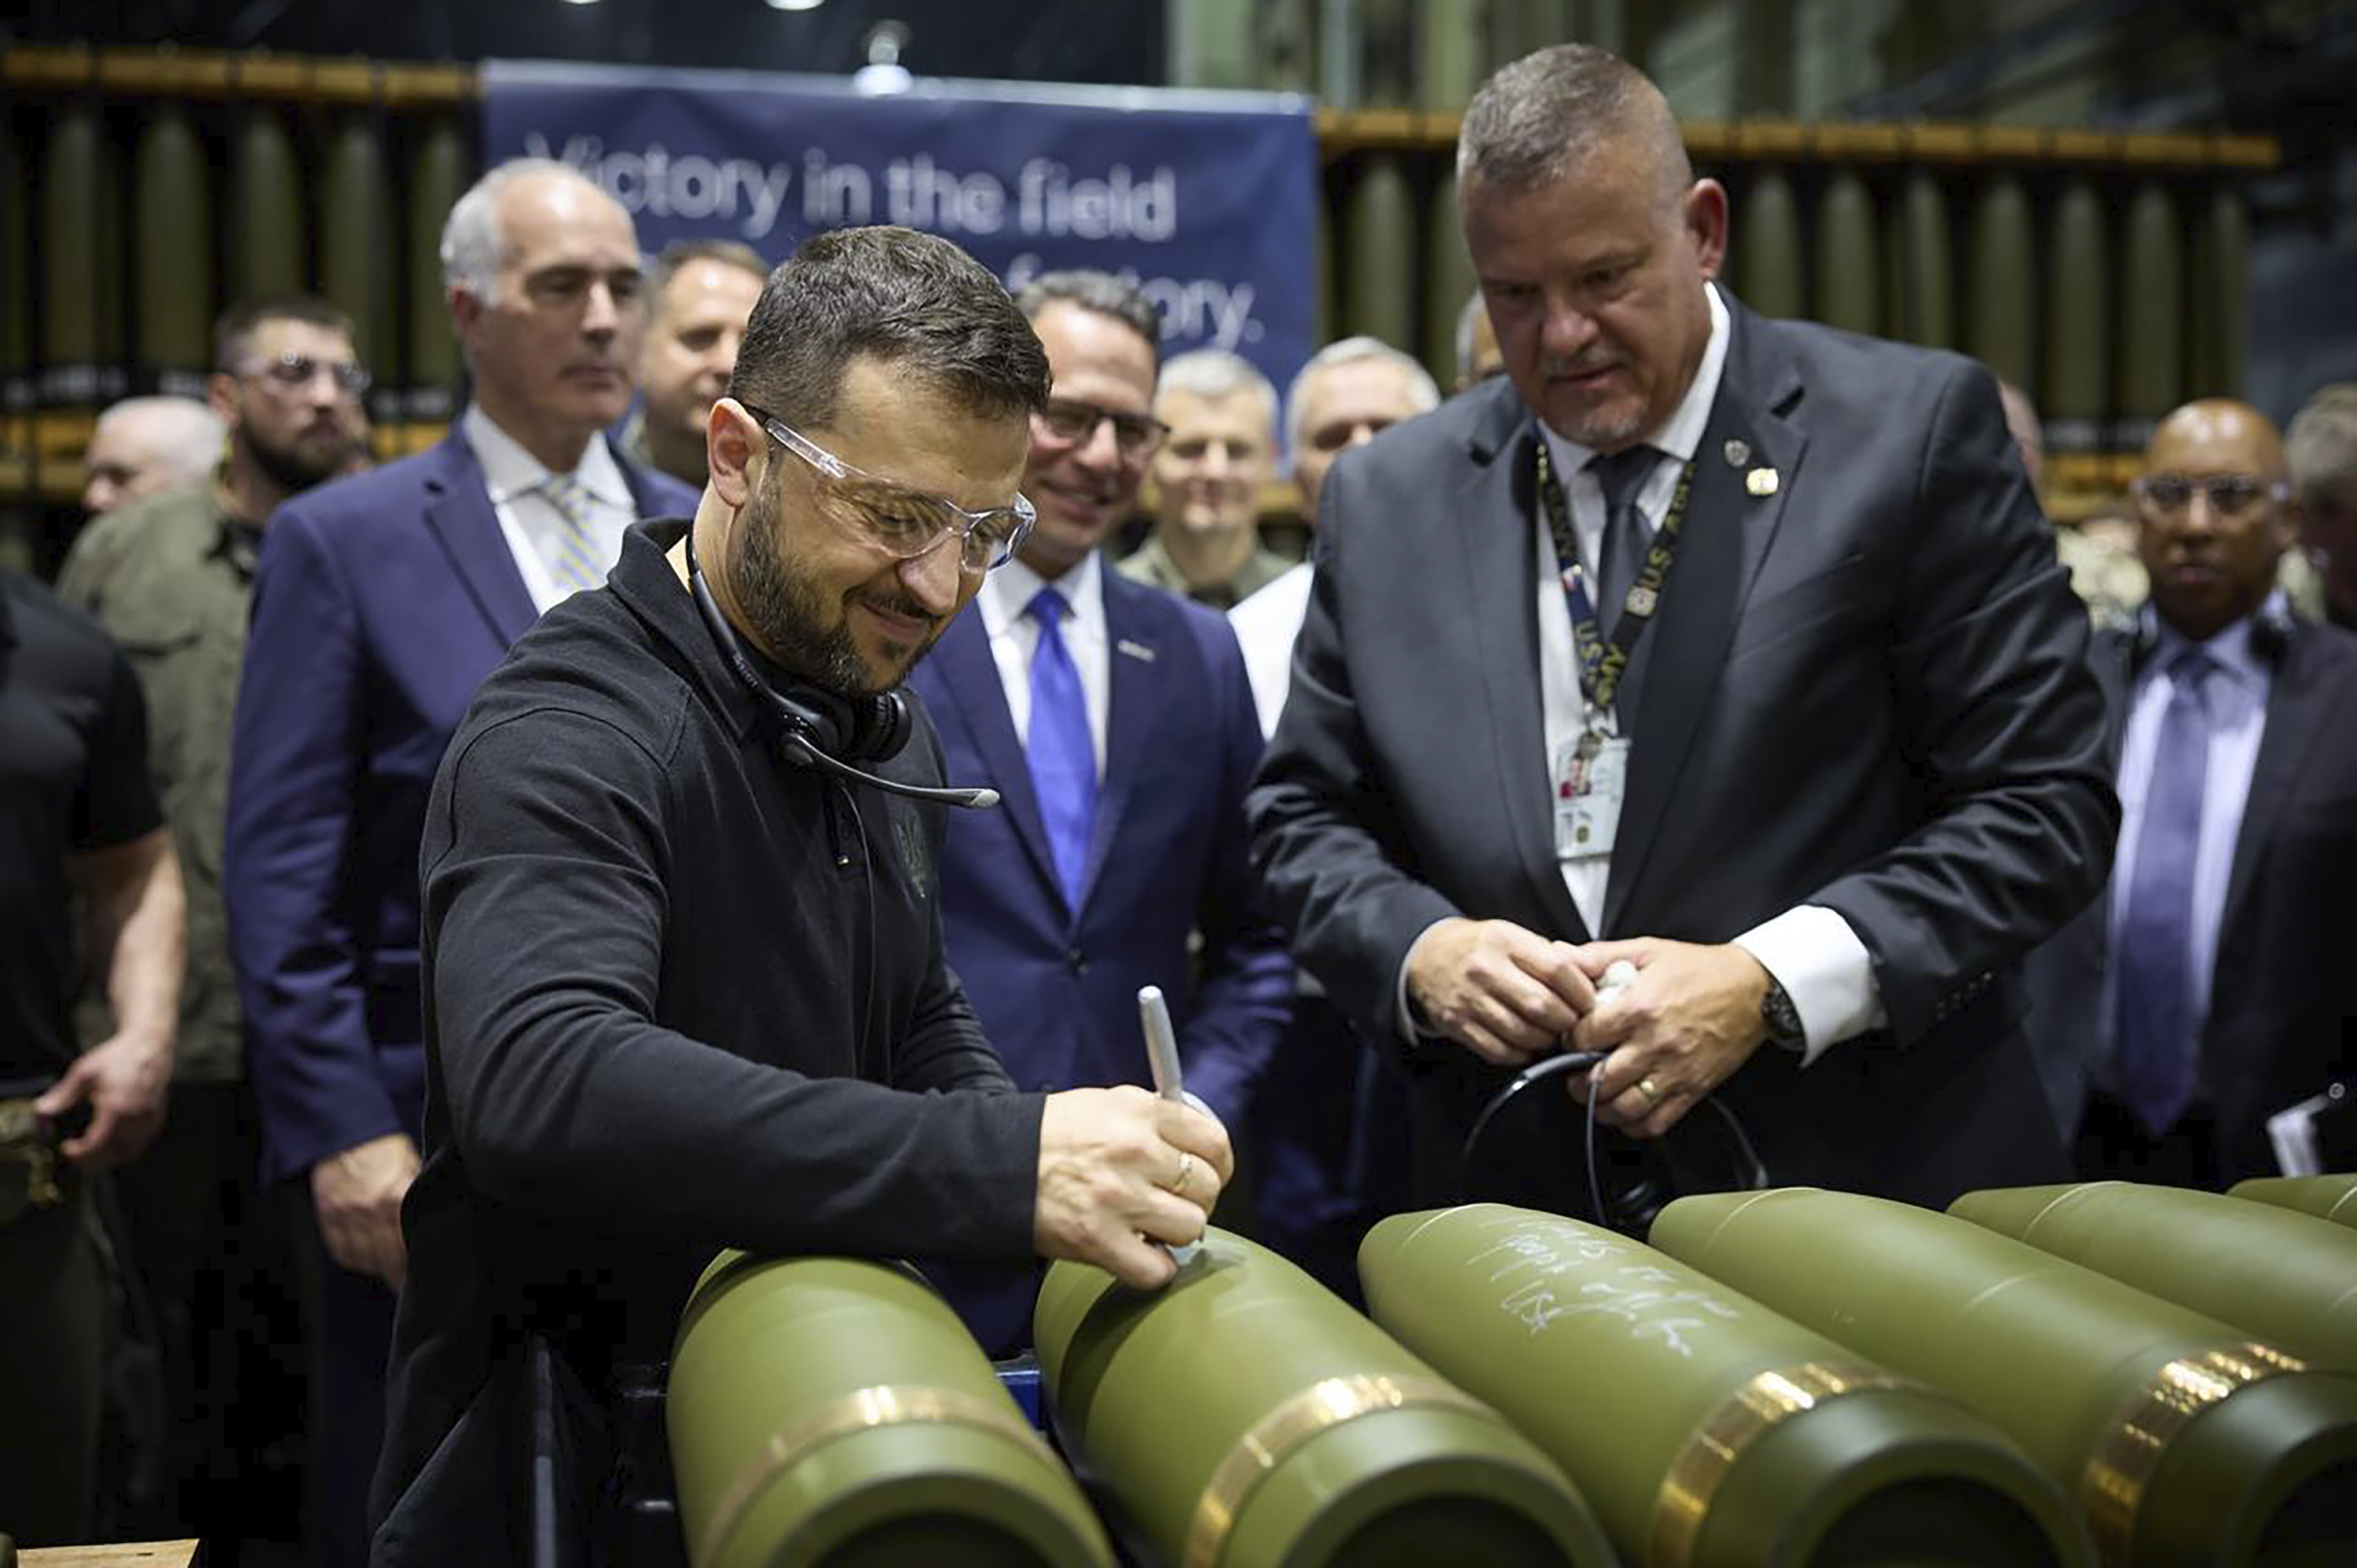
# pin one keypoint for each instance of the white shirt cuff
(1825, 968)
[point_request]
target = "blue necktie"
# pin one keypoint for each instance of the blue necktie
(1621, 477)
(2158, 1049)
(1063, 761)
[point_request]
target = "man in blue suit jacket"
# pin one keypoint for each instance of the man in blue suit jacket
(380, 603)
(1086, 884)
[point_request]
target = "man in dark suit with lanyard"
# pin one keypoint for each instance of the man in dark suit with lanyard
(1749, 651)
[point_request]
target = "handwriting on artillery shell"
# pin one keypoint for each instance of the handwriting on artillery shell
(1558, 1274)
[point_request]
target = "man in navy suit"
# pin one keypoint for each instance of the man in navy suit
(1739, 640)
(1117, 725)
(2213, 988)
(379, 604)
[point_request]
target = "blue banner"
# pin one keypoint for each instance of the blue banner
(1207, 200)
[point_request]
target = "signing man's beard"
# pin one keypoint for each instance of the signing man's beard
(787, 615)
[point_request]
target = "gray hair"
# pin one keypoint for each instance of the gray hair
(474, 244)
(1098, 291)
(1533, 121)
(1214, 373)
(2320, 447)
(1422, 395)
(184, 433)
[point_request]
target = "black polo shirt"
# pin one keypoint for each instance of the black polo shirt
(681, 995)
(73, 776)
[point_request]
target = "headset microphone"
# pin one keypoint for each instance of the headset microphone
(880, 734)
(802, 748)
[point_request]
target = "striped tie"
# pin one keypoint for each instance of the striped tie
(574, 561)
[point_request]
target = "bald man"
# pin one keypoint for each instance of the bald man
(2212, 987)
(144, 444)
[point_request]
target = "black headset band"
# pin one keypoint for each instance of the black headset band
(808, 718)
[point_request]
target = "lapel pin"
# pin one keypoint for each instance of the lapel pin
(1135, 649)
(1761, 481)
(1738, 452)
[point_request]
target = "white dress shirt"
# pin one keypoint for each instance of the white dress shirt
(2237, 699)
(1810, 950)
(536, 530)
(1266, 625)
(1005, 595)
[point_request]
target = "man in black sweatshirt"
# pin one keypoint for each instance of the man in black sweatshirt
(683, 970)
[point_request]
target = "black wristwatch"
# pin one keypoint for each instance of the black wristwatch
(1782, 1018)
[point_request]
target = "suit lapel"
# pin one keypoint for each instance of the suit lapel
(1500, 608)
(458, 512)
(644, 500)
(967, 666)
(2298, 709)
(1726, 536)
(2112, 658)
(1140, 654)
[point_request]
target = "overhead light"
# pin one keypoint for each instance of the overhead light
(884, 74)
(795, 4)
(581, 2)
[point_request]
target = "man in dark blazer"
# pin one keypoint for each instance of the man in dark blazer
(379, 604)
(1826, 802)
(2213, 986)
(1077, 890)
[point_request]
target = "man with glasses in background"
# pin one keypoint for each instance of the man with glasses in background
(1117, 725)
(380, 603)
(2213, 987)
(682, 950)
(170, 575)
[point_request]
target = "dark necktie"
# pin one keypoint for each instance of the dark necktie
(2154, 973)
(1063, 760)
(1621, 476)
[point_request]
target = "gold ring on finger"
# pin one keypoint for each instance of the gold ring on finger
(1645, 1086)
(1186, 1173)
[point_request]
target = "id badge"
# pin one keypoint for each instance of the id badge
(1591, 777)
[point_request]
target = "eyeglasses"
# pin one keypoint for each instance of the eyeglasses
(1135, 435)
(295, 372)
(2231, 495)
(902, 522)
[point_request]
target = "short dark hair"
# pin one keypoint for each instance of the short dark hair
(1101, 292)
(1536, 117)
(679, 252)
(914, 301)
(233, 333)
